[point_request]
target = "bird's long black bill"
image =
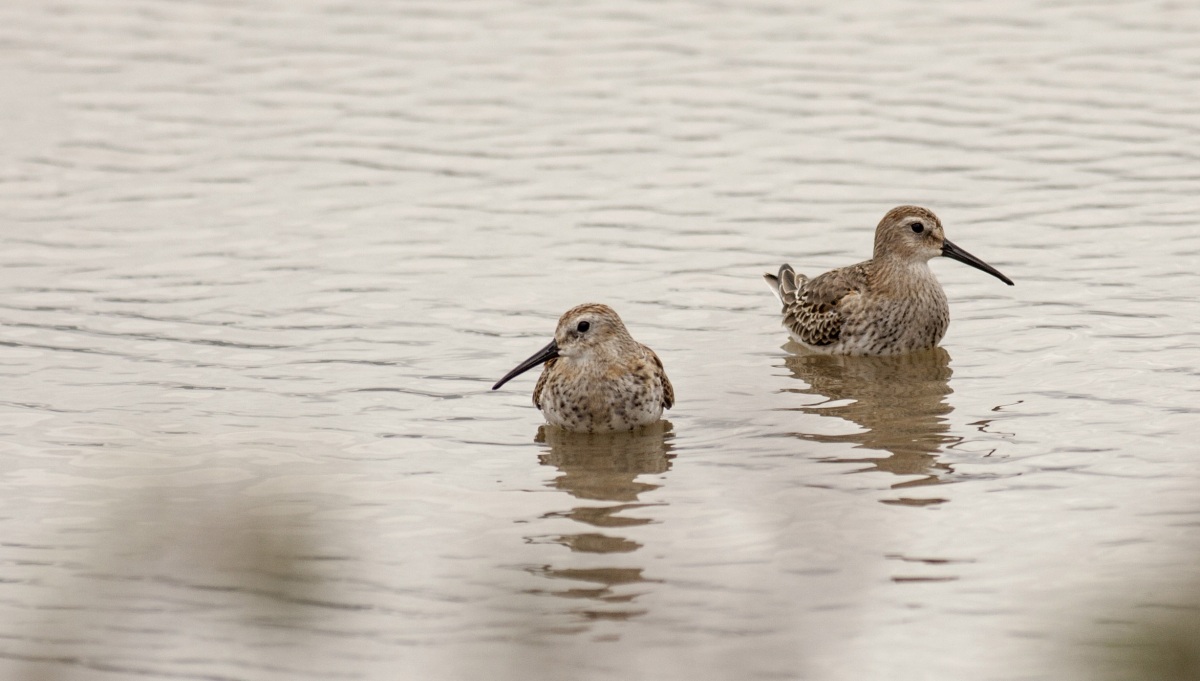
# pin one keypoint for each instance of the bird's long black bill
(955, 253)
(540, 357)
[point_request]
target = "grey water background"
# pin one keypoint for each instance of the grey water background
(261, 262)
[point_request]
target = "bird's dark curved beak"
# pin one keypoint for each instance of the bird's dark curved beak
(540, 357)
(955, 253)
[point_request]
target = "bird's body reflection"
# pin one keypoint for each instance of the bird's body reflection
(604, 467)
(898, 401)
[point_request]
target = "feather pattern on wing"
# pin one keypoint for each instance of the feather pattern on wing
(661, 373)
(815, 309)
(541, 382)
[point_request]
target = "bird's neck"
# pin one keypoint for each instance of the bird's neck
(903, 273)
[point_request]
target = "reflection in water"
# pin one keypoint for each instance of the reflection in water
(899, 402)
(603, 467)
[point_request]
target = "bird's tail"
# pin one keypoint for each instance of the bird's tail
(785, 284)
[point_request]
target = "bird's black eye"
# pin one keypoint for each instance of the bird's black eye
(918, 227)
(583, 327)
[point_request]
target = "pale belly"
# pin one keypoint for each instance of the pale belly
(622, 404)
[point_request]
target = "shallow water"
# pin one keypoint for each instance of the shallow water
(261, 264)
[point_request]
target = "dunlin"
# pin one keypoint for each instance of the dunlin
(888, 305)
(597, 377)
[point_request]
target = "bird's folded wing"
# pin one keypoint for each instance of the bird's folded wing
(661, 373)
(541, 383)
(815, 313)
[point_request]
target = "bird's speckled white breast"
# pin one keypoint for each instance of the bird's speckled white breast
(598, 397)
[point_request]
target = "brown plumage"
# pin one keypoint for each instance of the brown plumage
(597, 377)
(890, 304)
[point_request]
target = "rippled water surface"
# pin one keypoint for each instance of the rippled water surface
(261, 263)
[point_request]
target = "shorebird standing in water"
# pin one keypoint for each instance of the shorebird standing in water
(888, 305)
(597, 377)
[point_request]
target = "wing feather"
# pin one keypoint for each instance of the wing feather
(661, 374)
(813, 309)
(541, 382)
